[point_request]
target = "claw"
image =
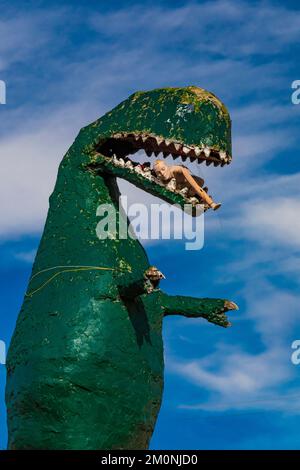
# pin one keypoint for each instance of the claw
(228, 305)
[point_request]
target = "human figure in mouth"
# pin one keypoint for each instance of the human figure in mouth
(183, 179)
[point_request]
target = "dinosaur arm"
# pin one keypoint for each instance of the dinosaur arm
(186, 173)
(211, 309)
(131, 286)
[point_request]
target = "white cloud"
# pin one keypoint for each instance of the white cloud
(224, 27)
(21, 36)
(26, 256)
(273, 221)
(29, 163)
(236, 380)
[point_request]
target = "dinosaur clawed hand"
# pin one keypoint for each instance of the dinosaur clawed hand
(153, 277)
(229, 305)
(219, 317)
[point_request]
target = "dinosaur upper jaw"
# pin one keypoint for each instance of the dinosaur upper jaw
(112, 155)
(124, 143)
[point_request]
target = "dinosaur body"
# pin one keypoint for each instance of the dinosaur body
(85, 364)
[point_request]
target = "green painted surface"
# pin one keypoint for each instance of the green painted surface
(85, 364)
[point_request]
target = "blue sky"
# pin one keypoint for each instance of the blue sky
(65, 64)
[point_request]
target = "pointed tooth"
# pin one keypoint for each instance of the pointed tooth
(115, 160)
(208, 162)
(216, 163)
(222, 155)
(149, 153)
(136, 136)
(186, 150)
(192, 159)
(129, 164)
(144, 138)
(206, 152)
(183, 158)
(156, 152)
(138, 169)
(159, 140)
(172, 147)
(193, 200)
(184, 191)
(165, 154)
(197, 151)
(174, 155)
(177, 147)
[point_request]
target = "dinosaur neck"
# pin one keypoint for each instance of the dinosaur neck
(70, 236)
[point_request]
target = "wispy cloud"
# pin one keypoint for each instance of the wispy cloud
(203, 25)
(236, 380)
(24, 36)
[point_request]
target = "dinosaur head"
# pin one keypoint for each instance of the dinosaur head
(188, 123)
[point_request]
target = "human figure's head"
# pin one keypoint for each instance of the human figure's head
(162, 170)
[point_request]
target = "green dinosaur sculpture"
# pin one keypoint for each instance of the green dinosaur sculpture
(85, 364)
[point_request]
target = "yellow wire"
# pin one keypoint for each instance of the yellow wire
(76, 269)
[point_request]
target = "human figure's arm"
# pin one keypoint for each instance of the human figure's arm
(198, 190)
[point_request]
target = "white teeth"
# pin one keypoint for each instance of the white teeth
(193, 200)
(136, 136)
(185, 150)
(206, 152)
(159, 140)
(129, 165)
(167, 142)
(177, 147)
(138, 169)
(115, 161)
(171, 185)
(144, 138)
(222, 155)
(184, 191)
(118, 162)
(197, 151)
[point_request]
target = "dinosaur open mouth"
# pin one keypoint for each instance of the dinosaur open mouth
(118, 148)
